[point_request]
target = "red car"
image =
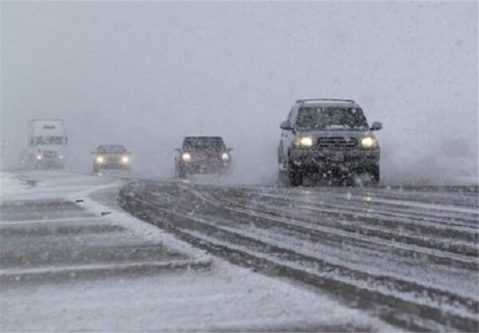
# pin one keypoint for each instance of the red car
(202, 154)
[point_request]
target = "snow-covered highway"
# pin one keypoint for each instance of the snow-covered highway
(72, 260)
(408, 255)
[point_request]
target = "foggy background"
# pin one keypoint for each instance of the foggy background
(147, 74)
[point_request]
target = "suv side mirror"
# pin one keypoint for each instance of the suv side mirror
(285, 125)
(177, 149)
(376, 126)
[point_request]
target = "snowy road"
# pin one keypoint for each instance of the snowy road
(408, 255)
(72, 260)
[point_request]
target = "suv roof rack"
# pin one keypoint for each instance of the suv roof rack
(301, 101)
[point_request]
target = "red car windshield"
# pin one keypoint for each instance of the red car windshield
(203, 143)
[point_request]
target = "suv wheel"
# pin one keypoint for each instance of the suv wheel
(375, 175)
(181, 172)
(295, 175)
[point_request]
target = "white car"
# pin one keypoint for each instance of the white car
(111, 157)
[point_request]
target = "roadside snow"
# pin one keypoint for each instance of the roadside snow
(225, 298)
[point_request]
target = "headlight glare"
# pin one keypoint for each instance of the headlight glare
(369, 142)
(186, 157)
(100, 159)
(125, 159)
(225, 157)
(39, 157)
(305, 141)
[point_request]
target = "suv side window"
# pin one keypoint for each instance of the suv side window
(292, 115)
(289, 115)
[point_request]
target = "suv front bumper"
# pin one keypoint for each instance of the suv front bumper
(343, 160)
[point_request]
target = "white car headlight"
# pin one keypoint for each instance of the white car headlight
(225, 157)
(186, 157)
(100, 159)
(369, 142)
(125, 159)
(305, 141)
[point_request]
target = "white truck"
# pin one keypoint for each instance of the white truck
(47, 142)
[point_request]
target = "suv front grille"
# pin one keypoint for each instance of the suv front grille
(337, 143)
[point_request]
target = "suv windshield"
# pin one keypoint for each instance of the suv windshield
(204, 143)
(115, 149)
(331, 118)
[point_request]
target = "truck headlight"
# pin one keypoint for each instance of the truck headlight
(369, 142)
(100, 159)
(186, 157)
(225, 157)
(125, 159)
(305, 141)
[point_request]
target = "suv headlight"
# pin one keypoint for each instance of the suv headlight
(186, 157)
(369, 142)
(100, 159)
(305, 141)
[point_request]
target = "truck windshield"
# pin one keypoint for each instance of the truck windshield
(332, 118)
(49, 140)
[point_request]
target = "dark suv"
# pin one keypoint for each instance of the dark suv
(328, 138)
(202, 154)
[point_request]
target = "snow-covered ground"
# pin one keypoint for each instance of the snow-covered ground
(218, 296)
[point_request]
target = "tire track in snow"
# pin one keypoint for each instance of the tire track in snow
(438, 309)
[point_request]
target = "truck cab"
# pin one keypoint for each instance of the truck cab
(47, 142)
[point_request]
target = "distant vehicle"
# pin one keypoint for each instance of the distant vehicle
(111, 157)
(202, 154)
(328, 138)
(47, 142)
